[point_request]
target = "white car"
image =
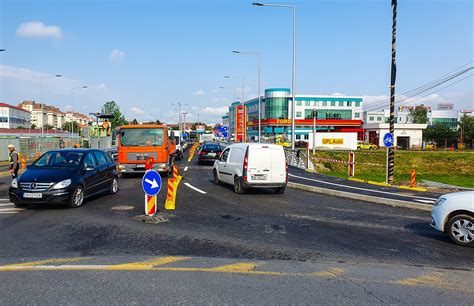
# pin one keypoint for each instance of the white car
(252, 165)
(453, 214)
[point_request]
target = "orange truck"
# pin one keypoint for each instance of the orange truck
(135, 143)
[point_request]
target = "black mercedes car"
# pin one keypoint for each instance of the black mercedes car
(65, 176)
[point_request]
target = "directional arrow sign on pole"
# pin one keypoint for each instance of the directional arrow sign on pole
(151, 182)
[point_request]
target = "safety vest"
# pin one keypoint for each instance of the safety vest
(10, 158)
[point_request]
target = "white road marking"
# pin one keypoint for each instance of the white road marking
(426, 201)
(358, 188)
(185, 168)
(192, 187)
(8, 204)
(4, 200)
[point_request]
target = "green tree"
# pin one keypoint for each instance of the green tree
(419, 114)
(134, 122)
(67, 126)
(439, 131)
(158, 121)
(48, 127)
(33, 126)
(111, 107)
(466, 126)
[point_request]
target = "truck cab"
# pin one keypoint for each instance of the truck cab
(136, 143)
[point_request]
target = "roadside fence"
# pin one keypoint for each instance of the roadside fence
(30, 148)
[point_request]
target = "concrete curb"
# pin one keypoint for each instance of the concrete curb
(361, 197)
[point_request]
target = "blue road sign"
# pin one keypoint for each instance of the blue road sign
(151, 182)
(388, 140)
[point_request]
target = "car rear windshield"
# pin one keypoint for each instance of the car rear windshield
(141, 137)
(59, 159)
(211, 147)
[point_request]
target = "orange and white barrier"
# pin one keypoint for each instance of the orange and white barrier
(173, 183)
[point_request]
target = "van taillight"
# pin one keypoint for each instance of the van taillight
(286, 169)
(202, 153)
(246, 163)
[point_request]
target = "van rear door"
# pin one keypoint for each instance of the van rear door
(264, 163)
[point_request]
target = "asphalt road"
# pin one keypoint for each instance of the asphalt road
(220, 247)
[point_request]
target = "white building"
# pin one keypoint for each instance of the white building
(12, 117)
(406, 136)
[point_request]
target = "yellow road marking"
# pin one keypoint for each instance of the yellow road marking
(434, 279)
(330, 273)
(147, 264)
(238, 267)
(43, 262)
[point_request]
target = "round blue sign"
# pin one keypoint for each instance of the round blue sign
(151, 182)
(388, 140)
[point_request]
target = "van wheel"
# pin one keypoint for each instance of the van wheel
(238, 185)
(280, 190)
(216, 178)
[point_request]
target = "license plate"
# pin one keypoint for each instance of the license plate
(32, 195)
(259, 177)
(140, 166)
(211, 154)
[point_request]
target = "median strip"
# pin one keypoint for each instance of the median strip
(361, 197)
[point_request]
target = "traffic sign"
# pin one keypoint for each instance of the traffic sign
(388, 140)
(151, 182)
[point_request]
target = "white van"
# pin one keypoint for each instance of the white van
(252, 165)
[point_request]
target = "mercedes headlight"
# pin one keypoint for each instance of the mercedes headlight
(440, 201)
(62, 184)
(14, 183)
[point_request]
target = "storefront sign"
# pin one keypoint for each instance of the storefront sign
(333, 141)
(240, 123)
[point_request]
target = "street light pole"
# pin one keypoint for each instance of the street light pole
(237, 77)
(179, 104)
(233, 88)
(259, 93)
(72, 95)
(293, 72)
(315, 114)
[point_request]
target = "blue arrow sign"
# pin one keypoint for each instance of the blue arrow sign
(151, 182)
(388, 140)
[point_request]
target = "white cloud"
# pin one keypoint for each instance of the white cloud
(200, 92)
(117, 55)
(101, 87)
(136, 111)
(38, 29)
(216, 111)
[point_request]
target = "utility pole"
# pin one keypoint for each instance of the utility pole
(391, 152)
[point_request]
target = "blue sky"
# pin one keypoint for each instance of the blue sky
(146, 55)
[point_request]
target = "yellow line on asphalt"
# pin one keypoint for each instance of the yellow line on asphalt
(43, 262)
(147, 264)
(436, 280)
(238, 267)
(330, 273)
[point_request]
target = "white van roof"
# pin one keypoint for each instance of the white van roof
(244, 145)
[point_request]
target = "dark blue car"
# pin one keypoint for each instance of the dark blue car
(65, 176)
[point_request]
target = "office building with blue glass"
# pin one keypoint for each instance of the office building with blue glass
(334, 114)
